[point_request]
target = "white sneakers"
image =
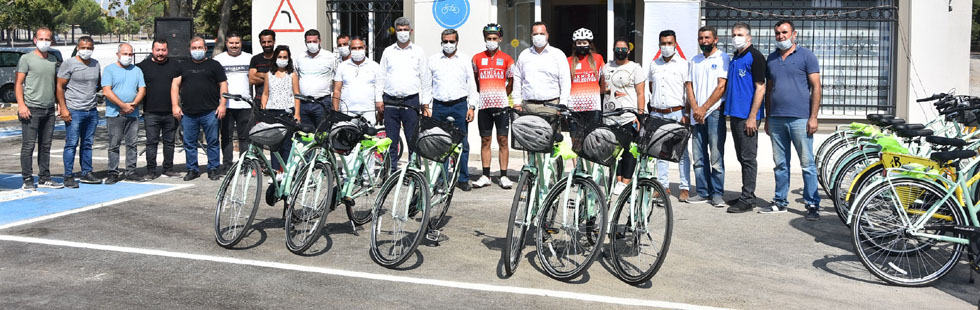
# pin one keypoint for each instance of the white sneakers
(619, 188)
(483, 181)
(505, 182)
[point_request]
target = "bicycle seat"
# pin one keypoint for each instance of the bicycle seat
(876, 117)
(914, 133)
(892, 121)
(954, 142)
(952, 155)
(910, 127)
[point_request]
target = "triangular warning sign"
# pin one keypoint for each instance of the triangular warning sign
(286, 20)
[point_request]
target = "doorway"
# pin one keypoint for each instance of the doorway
(566, 18)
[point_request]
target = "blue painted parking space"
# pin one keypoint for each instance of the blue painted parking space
(58, 126)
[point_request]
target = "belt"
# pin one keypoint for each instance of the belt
(317, 99)
(540, 101)
(397, 100)
(451, 102)
(667, 110)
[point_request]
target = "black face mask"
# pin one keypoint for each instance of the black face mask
(621, 54)
(582, 50)
(707, 48)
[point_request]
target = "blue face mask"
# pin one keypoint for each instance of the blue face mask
(197, 54)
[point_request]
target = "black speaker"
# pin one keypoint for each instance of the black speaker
(178, 32)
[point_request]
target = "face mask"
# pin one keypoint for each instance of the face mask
(197, 54)
(621, 53)
(43, 46)
(667, 50)
(313, 47)
(449, 48)
(582, 50)
(785, 44)
(740, 42)
(492, 45)
(539, 40)
(125, 60)
(85, 54)
(282, 63)
(403, 36)
(706, 48)
(358, 55)
(344, 51)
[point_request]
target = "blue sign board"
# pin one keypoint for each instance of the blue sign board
(451, 13)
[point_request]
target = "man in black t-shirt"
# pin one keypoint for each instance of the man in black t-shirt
(159, 72)
(262, 63)
(200, 83)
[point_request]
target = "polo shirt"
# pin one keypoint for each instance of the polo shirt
(704, 75)
(125, 82)
(358, 85)
(791, 89)
(316, 73)
(745, 69)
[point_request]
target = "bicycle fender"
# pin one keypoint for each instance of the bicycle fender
(838, 169)
(850, 190)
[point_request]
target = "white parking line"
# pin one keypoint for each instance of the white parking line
(363, 275)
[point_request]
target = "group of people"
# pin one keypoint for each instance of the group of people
(779, 92)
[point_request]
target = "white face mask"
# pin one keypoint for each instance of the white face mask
(667, 50)
(784, 44)
(492, 45)
(449, 48)
(403, 36)
(282, 63)
(358, 55)
(344, 51)
(539, 40)
(85, 54)
(125, 60)
(197, 54)
(313, 47)
(43, 46)
(740, 42)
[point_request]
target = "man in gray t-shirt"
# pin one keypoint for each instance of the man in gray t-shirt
(34, 88)
(78, 81)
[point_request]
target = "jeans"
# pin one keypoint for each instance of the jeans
(159, 126)
(785, 131)
(122, 128)
(311, 113)
(398, 118)
(193, 125)
(458, 113)
(708, 155)
(81, 130)
(685, 163)
(746, 150)
(36, 131)
(234, 123)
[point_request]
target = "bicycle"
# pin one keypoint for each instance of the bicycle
(425, 185)
(247, 171)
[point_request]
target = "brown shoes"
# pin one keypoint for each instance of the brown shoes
(684, 195)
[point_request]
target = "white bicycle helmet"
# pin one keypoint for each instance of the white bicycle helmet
(533, 133)
(600, 146)
(433, 143)
(582, 34)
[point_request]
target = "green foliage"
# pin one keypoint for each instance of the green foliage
(209, 17)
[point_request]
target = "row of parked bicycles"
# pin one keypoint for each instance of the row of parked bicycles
(909, 192)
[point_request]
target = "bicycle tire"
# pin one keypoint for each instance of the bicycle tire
(827, 161)
(824, 145)
(887, 224)
(439, 210)
(359, 212)
(419, 196)
(842, 205)
(250, 169)
(312, 215)
(517, 229)
(594, 226)
(620, 240)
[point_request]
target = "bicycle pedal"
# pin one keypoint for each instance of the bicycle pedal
(433, 235)
(551, 231)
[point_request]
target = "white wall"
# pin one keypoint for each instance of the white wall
(311, 14)
(939, 51)
(428, 31)
(681, 16)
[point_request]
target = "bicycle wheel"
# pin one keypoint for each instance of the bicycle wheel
(640, 235)
(312, 195)
(825, 146)
(826, 163)
(882, 241)
(441, 201)
(401, 216)
(518, 223)
(569, 236)
(236, 208)
(372, 175)
(841, 185)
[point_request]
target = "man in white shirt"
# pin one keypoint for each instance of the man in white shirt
(543, 73)
(405, 86)
(354, 84)
(705, 90)
(454, 94)
(343, 47)
(316, 69)
(667, 100)
(238, 113)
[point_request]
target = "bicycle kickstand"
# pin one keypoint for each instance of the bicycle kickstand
(353, 227)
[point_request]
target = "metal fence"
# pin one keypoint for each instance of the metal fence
(854, 41)
(371, 19)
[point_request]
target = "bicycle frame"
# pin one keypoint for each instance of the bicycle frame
(295, 160)
(367, 147)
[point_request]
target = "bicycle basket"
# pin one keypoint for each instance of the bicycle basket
(436, 139)
(327, 122)
(271, 128)
(533, 132)
(663, 138)
(346, 134)
(600, 143)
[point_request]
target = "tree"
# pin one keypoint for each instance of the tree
(32, 14)
(210, 19)
(143, 12)
(87, 15)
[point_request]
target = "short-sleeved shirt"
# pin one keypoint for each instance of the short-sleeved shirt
(358, 85)
(704, 75)
(200, 88)
(316, 73)
(746, 69)
(668, 80)
(622, 78)
(585, 94)
(236, 70)
(40, 81)
(261, 65)
(125, 83)
(492, 72)
(83, 83)
(159, 78)
(791, 89)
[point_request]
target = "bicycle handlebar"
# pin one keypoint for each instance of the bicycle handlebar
(933, 97)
